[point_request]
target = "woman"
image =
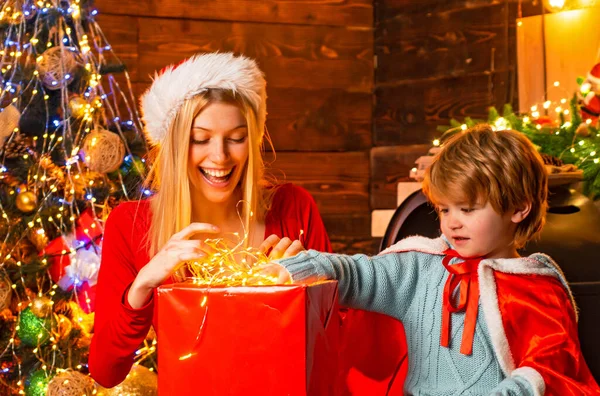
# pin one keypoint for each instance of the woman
(206, 119)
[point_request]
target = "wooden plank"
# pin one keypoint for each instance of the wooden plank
(348, 225)
(339, 182)
(409, 113)
(369, 246)
(303, 12)
(291, 56)
(314, 120)
(391, 9)
(121, 33)
(319, 120)
(450, 43)
(390, 165)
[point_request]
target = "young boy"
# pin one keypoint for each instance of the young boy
(479, 319)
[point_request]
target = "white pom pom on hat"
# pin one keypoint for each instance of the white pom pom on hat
(178, 83)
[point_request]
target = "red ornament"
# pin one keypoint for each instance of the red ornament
(590, 110)
(86, 297)
(88, 227)
(58, 255)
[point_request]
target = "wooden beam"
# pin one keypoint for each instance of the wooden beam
(302, 12)
(291, 56)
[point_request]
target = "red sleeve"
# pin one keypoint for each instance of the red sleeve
(118, 329)
(294, 214)
(540, 326)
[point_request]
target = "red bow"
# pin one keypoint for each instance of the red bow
(464, 273)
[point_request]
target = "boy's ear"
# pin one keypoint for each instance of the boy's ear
(521, 213)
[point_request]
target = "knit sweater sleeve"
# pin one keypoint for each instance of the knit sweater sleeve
(385, 283)
(118, 329)
(514, 386)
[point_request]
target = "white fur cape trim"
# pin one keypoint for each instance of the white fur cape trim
(488, 293)
(169, 90)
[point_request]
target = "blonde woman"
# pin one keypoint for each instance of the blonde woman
(206, 119)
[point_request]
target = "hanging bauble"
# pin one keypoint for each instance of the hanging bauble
(9, 120)
(37, 383)
(56, 67)
(77, 106)
(38, 238)
(41, 307)
(103, 151)
(71, 383)
(5, 291)
(140, 381)
(26, 201)
(33, 331)
(63, 327)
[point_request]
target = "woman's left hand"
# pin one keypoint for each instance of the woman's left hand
(280, 247)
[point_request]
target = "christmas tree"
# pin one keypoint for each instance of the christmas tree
(70, 150)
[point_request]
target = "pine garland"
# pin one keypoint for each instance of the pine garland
(573, 142)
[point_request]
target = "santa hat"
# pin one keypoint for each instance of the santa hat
(178, 83)
(594, 74)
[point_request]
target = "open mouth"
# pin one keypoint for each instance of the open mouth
(460, 240)
(217, 176)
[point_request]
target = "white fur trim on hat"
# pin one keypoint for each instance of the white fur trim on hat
(169, 90)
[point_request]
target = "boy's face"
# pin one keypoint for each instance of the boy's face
(478, 230)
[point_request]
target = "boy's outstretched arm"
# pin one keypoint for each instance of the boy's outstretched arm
(384, 283)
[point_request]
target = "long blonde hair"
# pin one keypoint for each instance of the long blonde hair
(171, 206)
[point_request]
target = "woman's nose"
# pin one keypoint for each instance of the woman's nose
(219, 153)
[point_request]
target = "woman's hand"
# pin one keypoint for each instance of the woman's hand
(280, 248)
(177, 250)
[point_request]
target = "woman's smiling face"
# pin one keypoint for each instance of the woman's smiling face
(218, 151)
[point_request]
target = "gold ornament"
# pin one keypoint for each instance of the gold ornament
(140, 382)
(38, 238)
(63, 327)
(77, 106)
(5, 291)
(57, 66)
(41, 307)
(104, 151)
(26, 201)
(71, 383)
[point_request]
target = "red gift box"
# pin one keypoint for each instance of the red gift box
(262, 340)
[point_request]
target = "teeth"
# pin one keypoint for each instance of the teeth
(217, 172)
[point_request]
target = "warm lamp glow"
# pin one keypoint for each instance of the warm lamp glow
(554, 5)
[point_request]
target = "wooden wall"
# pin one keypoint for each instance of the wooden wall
(319, 64)
(436, 59)
(356, 88)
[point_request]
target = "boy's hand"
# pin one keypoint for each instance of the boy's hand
(280, 247)
(277, 271)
